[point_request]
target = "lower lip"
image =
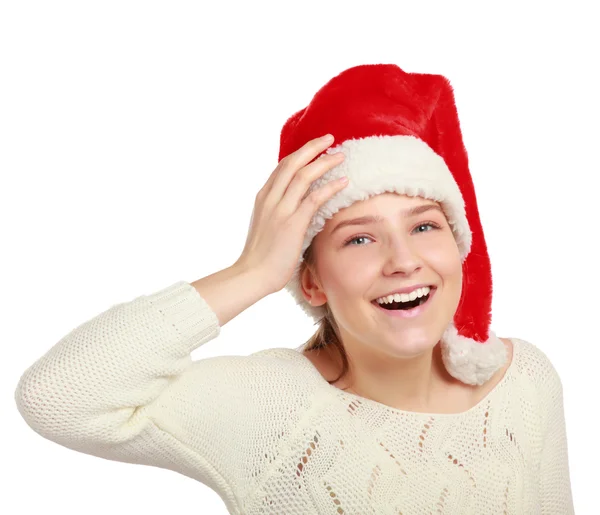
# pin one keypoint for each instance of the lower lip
(406, 313)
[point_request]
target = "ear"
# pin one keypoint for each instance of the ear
(311, 287)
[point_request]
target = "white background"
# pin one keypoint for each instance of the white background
(135, 135)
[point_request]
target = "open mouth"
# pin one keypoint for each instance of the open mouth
(405, 306)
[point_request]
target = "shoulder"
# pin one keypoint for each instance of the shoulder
(289, 361)
(303, 370)
(261, 383)
(535, 364)
(328, 363)
(321, 360)
(538, 376)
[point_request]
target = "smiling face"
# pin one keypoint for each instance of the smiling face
(355, 264)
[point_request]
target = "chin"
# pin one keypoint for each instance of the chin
(408, 345)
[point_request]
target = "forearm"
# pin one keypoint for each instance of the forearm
(231, 290)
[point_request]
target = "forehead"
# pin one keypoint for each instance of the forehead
(385, 204)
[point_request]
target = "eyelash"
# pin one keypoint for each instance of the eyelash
(351, 239)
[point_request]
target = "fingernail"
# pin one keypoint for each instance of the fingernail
(327, 138)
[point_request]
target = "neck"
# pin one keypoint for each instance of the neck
(410, 384)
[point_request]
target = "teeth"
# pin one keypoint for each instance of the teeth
(404, 297)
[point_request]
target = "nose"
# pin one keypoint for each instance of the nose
(401, 258)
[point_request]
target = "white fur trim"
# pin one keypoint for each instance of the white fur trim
(379, 164)
(469, 361)
(402, 164)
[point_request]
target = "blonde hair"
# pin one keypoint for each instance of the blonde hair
(327, 334)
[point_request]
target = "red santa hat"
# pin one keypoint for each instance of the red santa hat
(400, 133)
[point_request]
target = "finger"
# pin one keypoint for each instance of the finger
(289, 165)
(311, 204)
(299, 186)
(284, 161)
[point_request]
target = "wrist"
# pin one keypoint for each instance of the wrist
(253, 275)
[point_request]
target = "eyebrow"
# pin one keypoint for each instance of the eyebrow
(364, 220)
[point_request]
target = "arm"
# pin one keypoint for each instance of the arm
(232, 290)
(555, 486)
(122, 386)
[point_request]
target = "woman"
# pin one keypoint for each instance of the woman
(404, 401)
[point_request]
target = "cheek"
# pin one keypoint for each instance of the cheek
(345, 280)
(444, 258)
(447, 268)
(350, 266)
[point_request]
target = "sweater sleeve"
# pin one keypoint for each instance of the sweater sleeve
(122, 386)
(555, 485)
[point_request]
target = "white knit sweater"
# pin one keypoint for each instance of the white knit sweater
(271, 436)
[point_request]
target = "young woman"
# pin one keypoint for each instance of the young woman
(404, 401)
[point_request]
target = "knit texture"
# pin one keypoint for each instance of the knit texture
(269, 435)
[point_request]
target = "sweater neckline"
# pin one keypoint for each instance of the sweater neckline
(488, 397)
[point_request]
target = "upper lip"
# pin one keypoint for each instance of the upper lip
(408, 289)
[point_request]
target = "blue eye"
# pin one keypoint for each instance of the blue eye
(428, 224)
(354, 238)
